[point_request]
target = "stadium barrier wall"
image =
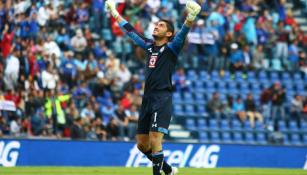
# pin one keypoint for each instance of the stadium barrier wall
(90, 153)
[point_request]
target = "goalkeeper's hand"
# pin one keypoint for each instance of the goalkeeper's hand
(193, 9)
(111, 7)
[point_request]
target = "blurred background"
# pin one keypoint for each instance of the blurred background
(68, 72)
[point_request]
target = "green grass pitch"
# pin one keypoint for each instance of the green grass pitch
(142, 171)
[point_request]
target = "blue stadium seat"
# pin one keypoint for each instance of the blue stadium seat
(259, 127)
(247, 126)
(190, 111)
(293, 126)
(178, 111)
(295, 139)
(227, 76)
(215, 137)
(244, 86)
(297, 76)
(177, 98)
(232, 86)
(201, 124)
(221, 84)
(285, 76)
(239, 77)
(262, 75)
(201, 111)
(274, 77)
(188, 98)
(286, 139)
(226, 137)
(225, 125)
(213, 124)
(203, 76)
(255, 86)
(305, 139)
(304, 126)
(200, 99)
(236, 125)
(203, 73)
(191, 75)
(237, 137)
(249, 138)
(288, 85)
(209, 85)
(300, 86)
(199, 87)
(282, 126)
(251, 75)
(190, 125)
(203, 137)
(265, 83)
(215, 75)
(260, 138)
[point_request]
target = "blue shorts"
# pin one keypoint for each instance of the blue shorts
(156, 113)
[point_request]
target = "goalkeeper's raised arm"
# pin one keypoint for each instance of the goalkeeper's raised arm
(192, 8)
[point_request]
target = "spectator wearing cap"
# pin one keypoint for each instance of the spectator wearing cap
(236, 58)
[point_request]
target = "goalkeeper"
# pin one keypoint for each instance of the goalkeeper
(162, 55)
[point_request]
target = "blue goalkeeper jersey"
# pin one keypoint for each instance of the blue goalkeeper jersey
(161, 60)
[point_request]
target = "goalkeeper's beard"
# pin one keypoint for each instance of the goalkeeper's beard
(159, 38)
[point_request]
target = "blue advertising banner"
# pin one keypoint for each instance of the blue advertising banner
(88, 153)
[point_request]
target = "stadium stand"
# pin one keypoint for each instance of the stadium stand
(72, 74)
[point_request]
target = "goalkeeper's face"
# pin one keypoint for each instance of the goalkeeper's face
(161, 31)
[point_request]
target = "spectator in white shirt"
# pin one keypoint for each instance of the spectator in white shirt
(49, 77)
(11, 71)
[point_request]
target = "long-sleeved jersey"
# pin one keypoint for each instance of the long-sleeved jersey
(161, 60)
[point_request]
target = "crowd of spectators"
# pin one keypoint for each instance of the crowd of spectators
(72, 73)
(271, 106)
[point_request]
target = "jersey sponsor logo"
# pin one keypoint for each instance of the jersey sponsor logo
(153, 61)
(9, 153)
(203, 157)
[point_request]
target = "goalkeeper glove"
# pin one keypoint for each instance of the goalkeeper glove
(111, 7)
(193, 9)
